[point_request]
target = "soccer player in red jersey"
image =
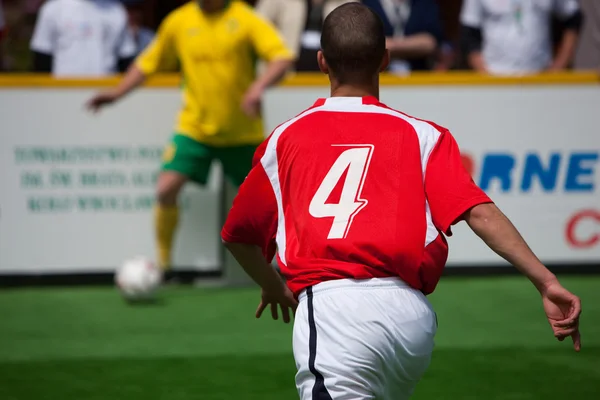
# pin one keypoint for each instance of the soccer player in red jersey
(358, 198)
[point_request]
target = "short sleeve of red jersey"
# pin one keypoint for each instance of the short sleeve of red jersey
(253, 216)
(449, 188)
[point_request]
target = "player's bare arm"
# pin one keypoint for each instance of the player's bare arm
(474, 40)
(562, 307)
(274, 290)
(566, 50)
(477, 62)
(274, 72)
(568, 44)
(132, 79)
(413, 46)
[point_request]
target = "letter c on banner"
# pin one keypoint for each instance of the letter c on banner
(578, 241)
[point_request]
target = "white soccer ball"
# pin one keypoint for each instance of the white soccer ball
(138, 279)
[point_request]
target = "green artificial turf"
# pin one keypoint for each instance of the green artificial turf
(80, 343)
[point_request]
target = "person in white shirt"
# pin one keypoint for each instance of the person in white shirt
(514, 36)
(82, 38)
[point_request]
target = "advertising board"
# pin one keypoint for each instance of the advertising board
(77, 190)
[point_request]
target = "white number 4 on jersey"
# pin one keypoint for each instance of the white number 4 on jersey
(356, 160)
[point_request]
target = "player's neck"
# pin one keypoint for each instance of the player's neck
(211, 10)
(353, 90)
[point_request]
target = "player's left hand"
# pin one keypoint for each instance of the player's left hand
(251, 104)
(283, 298)
(563, 309)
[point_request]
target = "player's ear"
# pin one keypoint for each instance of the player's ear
(385, 61)
(322, 63)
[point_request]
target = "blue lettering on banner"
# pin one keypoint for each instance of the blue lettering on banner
(497, 166)
(510, 172)
(547, 176)
(577, 172)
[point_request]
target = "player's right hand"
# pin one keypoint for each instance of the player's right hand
(100, 100)
(563, 309)
(283, 298)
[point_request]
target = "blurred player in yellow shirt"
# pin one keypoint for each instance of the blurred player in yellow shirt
(216, 44)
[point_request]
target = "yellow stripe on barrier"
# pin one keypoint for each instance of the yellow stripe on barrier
(316, 79)
(460, 79)
(45, 81)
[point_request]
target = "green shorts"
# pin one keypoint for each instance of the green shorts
(194, 159)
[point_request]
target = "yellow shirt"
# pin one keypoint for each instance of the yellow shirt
(217, 55)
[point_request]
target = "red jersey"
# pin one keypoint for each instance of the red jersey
(353, 189)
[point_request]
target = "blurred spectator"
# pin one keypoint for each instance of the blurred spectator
(588, 51)
(32, 6)
(446, 57)
(82, 38)
(2, 33)
(2, 21)
(414, 32)
(19, 18)
(300, 21)
(142, 36)
(514, 37)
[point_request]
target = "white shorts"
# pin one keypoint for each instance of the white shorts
(362, 339)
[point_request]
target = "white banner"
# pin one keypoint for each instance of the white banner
(76, 190)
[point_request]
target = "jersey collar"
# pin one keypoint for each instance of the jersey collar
(349, 101)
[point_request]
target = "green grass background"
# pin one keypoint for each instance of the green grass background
(86, 343)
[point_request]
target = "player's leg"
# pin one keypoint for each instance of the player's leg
(361, 343)
(166, 214)
(326, 350)
(304, 338)
(184, 160)
(414, 326)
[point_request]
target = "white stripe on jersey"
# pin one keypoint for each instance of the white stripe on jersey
(269, 163)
